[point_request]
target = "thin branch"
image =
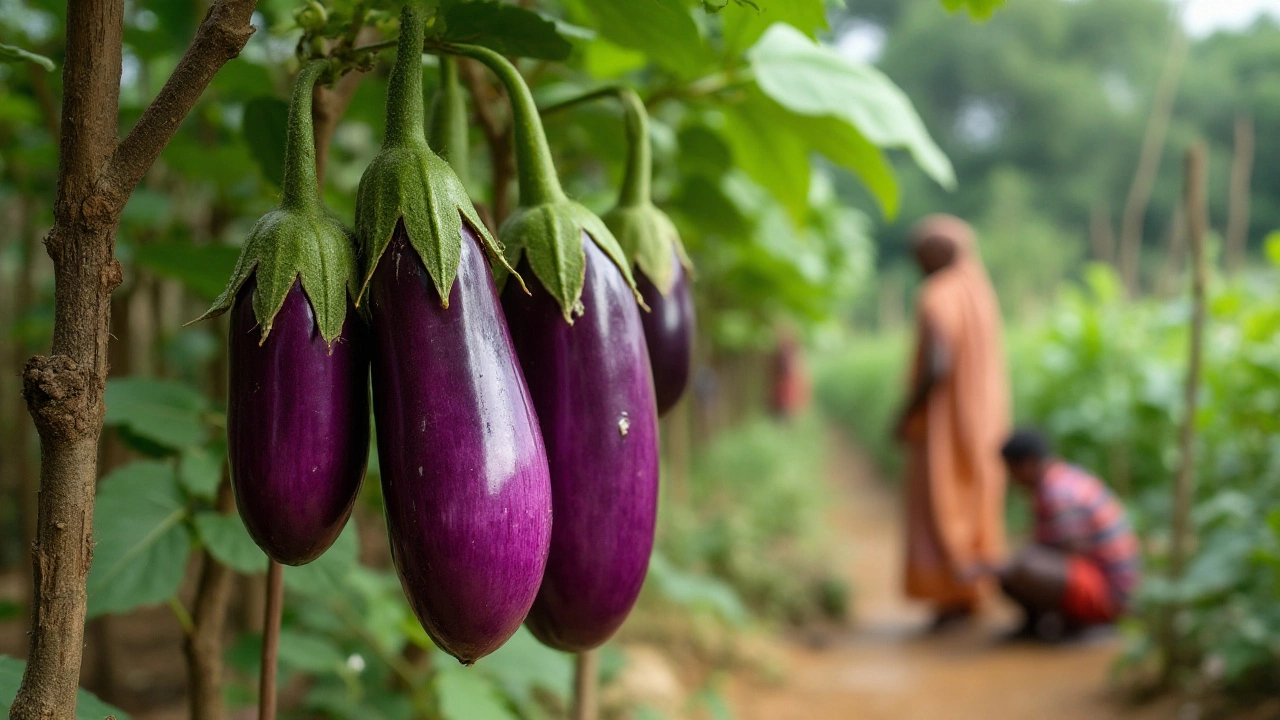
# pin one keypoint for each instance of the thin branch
(271, 641)
(221, 37)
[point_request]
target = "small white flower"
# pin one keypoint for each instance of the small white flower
(356, 663)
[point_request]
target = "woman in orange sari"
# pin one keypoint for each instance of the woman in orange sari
(954, 421)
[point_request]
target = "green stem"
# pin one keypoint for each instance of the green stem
(637, 178)
(535, 171)
(301, 186)
(448, 132)
(404, 89)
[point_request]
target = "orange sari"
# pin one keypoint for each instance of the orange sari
(955, 478)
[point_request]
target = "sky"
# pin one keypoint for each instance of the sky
(1205, 16)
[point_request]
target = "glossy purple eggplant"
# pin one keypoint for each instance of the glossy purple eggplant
(464, 472)
(591, 385)
(297, 425)
(668, 331)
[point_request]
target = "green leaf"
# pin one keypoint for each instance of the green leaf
(976, 8)
(808, 79)
(11, 54)
(309, 653)
(843, 145)
(204, 269)
(663, 29)
(1271, 246)
(88, 706)
(510, 30)
(167, 412)
(523, 666)
(743, 25)
(466, 695)
(766, 149)
(140, 543)
(327, 575)
(200, 471)
(226, 539)
(266, 121)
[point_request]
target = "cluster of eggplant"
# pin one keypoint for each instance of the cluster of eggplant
(516, 386)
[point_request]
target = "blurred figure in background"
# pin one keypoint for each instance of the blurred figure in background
(953, 424)
(790, 390)
(1082, 567)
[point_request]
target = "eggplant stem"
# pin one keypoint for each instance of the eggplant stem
(405, 114)
(585, 684)
(535, 170)
(448, 126)
(637, 177)
(271, 641)
(301, 185)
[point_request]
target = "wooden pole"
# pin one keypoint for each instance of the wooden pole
(1184, 482)
(1238, 201)
(271, 641)
(585, 680)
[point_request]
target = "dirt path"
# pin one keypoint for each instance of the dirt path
(884, 668)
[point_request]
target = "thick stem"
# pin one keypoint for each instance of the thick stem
(637, 178)
(404, 89)
(535, 171)
(448, 133)
(271, 641)
(585, 682)
(301, 189)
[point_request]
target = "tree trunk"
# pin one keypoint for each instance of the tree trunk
(63, 390)
(1238, 206)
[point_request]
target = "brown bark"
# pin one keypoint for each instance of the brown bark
(204, 644)
(498, 136)
(1144, 177)
(271, 641)
(64, 389)
(1238, 206)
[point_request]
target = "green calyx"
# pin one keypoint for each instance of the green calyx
(547, 226)
(647, 235)
(299, 239)
(407, 182)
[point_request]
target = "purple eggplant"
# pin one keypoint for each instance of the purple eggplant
(464, 472)
(297, 426)
(590, 382)
(298, 411)
(668, 331)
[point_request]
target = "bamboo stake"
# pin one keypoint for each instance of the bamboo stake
(585, 686)
(1238, 207)
(1184, 483)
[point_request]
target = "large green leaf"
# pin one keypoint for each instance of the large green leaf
(662, 29)
(310, 653)
(505, 28)
(204, 269)
(326, 576)
(200, 470)
(166, 412)
(743, 25)
(465, 695)
(266, 120)
(809, 79)
(766, 148)
(12, 54)
(88, 706)
(524, 667)
(976, 8)
(140, 542)
(226, 539)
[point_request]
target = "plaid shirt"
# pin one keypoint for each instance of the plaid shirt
(1077, 514)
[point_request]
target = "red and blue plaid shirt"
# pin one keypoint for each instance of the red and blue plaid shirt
(1077, 514)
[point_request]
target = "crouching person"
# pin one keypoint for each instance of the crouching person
(1083, 565)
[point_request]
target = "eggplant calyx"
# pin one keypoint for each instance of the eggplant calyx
(299, 239)
(547, 225)
(287, 245)
(408, 183)
(650, 239)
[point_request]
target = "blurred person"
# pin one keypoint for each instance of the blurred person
(953, 423)
(790, 391)
(1083, 565)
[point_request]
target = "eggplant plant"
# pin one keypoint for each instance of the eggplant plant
(298, 408)
(464, 471)
(580, 340)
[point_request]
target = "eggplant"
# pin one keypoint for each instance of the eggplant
(578, 334)
(464, 472)
(591, 384)
(297, 426)
(298, 405)
(669, 328)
